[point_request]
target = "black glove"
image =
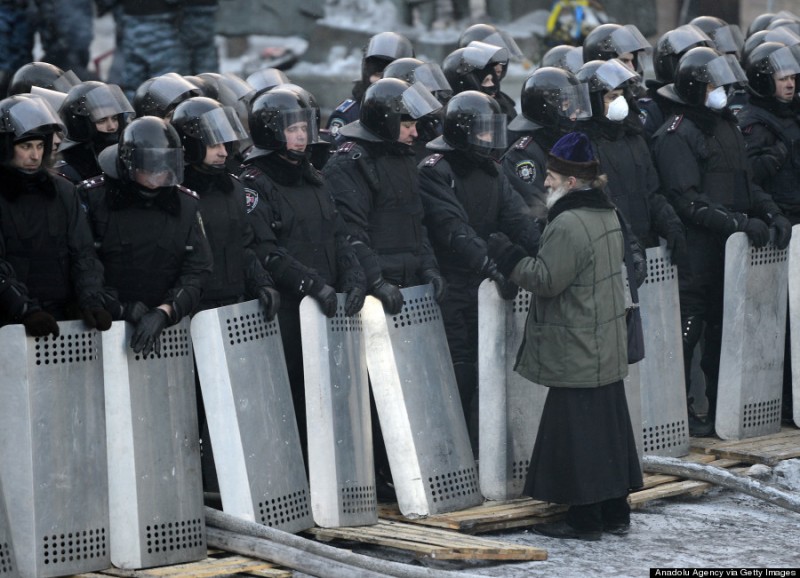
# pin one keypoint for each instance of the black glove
(97, 318)
(390, 296)
(676, 243)
(774, 158)
(40, 323)
(783, 231)
(147, 335)
(507, 289)
(505, 253)
(435, 278)
(133, 311)
(639, 264)
(354, 301)
(326, 297)
(271, 299)
(757, 231)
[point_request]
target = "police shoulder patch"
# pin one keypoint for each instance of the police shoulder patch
(92, 183)
(526, 171)
(251, 199)
(346, 147)
(187, 191)
(675, 123)
(346, 105)
(523, 143)
(250, 173)
(432, 160)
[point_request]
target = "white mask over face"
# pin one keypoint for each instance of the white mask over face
(617, 109)
(717, 98)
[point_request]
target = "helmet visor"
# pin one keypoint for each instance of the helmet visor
(782, 35)
(53, 97)
(430, 75)
(234, 88)
(419, 101)
(266, 78)
(66, 81)
(387, 46)
(294, 121)
(573, 59)
(33, 114)
(572, 102)
(157, 167)
(488, 131)
(168, 88)
(783, 62)
(480, 55)
(729, 39)
(629, 39)
(503, 39)
(612, 74)
(221, 125)
(725, 70)
(684, 37)
(107, 100)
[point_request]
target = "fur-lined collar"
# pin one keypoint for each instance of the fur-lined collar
(580, 199)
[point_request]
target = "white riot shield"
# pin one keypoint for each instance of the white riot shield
(419, 408)
(665, 429)
(632, 383)
(510, 405)
(8, 563)
(53, 451)
(340, 462)
(753, 334)
(155, 484)
(250, 415)
(794, 320)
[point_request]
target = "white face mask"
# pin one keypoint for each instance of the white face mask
(717, 98)
(617, 109)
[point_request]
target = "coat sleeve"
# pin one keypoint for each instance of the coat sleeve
(516, 221)
(15, 303)
(85, 266)
(196, 267)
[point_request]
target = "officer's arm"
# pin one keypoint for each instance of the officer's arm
(516, 220)
(524, 173)
(765, 151)
(196, 267)
(15, 303)
(86, 267)
(662, 213)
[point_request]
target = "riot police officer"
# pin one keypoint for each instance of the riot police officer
(300, 236)
(148, 230)
(44, 75)
(158, 96)
(553, 99)
(48, 268)
(478, 66)
(382, 49)
(94, 115)
(771, 129)
(624, 155)
(626, 43)
(705, 174)
(467, 198)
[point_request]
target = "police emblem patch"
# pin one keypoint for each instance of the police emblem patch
(251, 199)
(335, 125)
(526, 171)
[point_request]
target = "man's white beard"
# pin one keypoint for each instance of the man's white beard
(554, 194)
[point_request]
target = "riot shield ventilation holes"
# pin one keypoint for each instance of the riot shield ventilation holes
(767, 61)
(473, 122)
(150, 154)
(274, 111)
(202, 122)
(90, 102)
(391, 101)
(44, 75)
(25, 117)
(602, 76)
(160, 95)
(552, 97)
(674, 44)
(700, 67)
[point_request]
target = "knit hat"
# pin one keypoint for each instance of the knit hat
(573, 156)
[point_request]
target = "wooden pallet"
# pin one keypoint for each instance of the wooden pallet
(218, 564)
(524, 512)
(430, 542)
(768, 450)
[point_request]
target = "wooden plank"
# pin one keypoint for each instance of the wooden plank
(224, 565)
(432, 542)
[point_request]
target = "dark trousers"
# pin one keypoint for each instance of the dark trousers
(594, 517)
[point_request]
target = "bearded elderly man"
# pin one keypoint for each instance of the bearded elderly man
(576, 345)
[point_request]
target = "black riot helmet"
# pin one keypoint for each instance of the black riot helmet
(466, 68)
(160, 95)
(564, 56)
(266, 78)
(473, 122)
(792, 24)
(674, 44)
(781, 35)
(25, 117)
(602, 76)
(727, 38)
(202, 122)
(149, 154)
(415, 70)
(385, 105)
(383, 48)
(767, 60)
(551, 98)
(204, 85)
(44, 75)
(759, 23)
(698, 68)
(491, 35)
(274, 111)
(609, 41)
(90, 102)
